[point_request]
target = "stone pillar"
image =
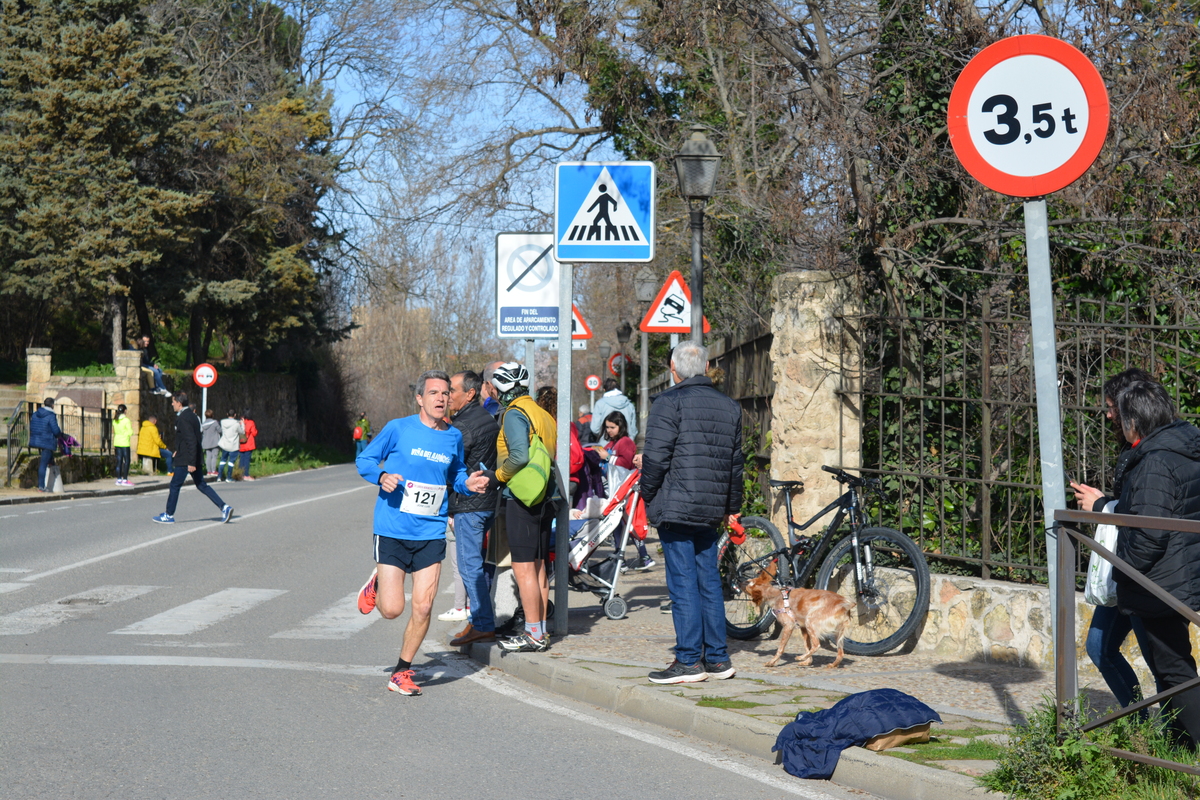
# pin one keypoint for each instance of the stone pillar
(37, 373)
(816, 409)
(128, 366)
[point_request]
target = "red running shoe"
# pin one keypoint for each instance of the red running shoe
(402, 682)
(366, 595)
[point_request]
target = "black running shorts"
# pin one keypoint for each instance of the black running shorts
(410, 555)
(528, 530)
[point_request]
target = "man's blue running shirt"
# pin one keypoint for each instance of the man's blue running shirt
(429, 460)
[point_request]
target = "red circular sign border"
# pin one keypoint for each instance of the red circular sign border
(198, 383)
(1093, 139)
(588, 378)
(611, 365)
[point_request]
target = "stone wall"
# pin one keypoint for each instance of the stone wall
(816, 406)
(971, 619)
(270, 397)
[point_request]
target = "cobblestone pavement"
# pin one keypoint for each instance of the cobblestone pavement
(628, 648)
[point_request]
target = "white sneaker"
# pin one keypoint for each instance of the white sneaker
(454, 615)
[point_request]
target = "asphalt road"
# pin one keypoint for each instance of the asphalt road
(203, 660)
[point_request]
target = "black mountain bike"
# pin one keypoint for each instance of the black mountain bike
(880, 569)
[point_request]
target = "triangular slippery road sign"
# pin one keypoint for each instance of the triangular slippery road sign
(671, 311)
(579, 326)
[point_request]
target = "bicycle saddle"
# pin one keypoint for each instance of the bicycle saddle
(787, 484)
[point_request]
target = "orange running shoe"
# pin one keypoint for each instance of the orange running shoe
(402, 682)
(366, 595)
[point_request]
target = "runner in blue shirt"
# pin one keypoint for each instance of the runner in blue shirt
(413, 460)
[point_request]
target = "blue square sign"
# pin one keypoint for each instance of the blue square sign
(604, 211)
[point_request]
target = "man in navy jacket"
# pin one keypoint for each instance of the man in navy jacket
(189, 459)
(44, 434)
(691, 480)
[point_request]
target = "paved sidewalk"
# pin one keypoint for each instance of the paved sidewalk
(75, 491)
(605, 662)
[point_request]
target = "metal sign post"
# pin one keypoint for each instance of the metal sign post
(1027, 117)
(562, 539)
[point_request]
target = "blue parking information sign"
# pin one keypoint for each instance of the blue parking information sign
(604, 211)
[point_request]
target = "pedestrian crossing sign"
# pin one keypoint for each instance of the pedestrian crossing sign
(604, 211)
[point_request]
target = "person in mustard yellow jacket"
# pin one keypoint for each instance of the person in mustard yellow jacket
(528, 526)
(151, 444)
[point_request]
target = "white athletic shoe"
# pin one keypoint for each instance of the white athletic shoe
(454, 615)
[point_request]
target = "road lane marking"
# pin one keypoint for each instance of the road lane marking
(169, 537)
(203, 613)
(9, 588)
(188, 661)
(15, 569)
(340, 621)
(42, 511)
(47, 615)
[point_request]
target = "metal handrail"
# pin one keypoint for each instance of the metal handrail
(1065, 661)
(14, 451)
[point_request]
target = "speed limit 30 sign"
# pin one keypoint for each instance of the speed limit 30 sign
(1028, 115)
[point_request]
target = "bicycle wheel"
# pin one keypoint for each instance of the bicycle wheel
(894, 597)
(743, 618)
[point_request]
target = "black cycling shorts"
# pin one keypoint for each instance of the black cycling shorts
(528, 530)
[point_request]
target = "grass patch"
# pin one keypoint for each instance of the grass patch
(293, 456)
(708, 701)
(934, 750)
(1039, 764)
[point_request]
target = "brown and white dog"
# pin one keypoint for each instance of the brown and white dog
(818, 613)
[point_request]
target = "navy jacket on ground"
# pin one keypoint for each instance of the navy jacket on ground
(43, 429)
(1161, 479)
(813, 743)
(692, 457)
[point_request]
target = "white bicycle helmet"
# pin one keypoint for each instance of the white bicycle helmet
(509, 376)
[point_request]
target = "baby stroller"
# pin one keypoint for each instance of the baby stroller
(623, 516)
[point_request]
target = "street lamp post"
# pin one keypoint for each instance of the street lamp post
(696, 168)
(624, 332)
(605, 351)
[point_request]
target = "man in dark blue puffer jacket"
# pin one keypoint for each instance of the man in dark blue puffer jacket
(692, 480)
(44, 434)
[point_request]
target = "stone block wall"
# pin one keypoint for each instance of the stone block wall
(270, 397)
(815, 410)
(971, 619)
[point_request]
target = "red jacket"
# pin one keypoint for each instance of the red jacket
(251, 432)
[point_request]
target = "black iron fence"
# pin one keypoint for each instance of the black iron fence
(91, 428)
(949, 415)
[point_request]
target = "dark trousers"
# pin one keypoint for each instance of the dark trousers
(177, 479)
(122, 462)
(1167, 649)
(46, 460)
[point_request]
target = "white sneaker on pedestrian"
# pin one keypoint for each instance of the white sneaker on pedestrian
(454, 615)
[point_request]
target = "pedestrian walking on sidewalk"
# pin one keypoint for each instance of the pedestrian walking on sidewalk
(413, 460)
(44, 434)
(122, 436)
(692, 480)
(188, 460)
(231, 431)
(210, 440)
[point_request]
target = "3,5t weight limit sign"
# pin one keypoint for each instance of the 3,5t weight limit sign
(1028, 115)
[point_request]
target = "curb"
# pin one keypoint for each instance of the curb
(857, 768)
(84, 495)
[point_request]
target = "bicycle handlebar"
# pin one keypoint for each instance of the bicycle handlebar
(841, 476)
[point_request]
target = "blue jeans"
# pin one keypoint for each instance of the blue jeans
(158, 381)
(1104, 638)
(359, 446)
(246, 462)
(228, 462)
(469, 528)
(179, 476)
(166, 456)
(47, 458)
(694, 585)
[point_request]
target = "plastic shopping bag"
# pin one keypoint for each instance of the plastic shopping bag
(1101, 589)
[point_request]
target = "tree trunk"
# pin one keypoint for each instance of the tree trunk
(116, 313)
(195, 336)
(143, 316)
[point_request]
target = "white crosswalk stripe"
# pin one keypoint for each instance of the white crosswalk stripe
(340, 621)
(203, 613)
(47, 615)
